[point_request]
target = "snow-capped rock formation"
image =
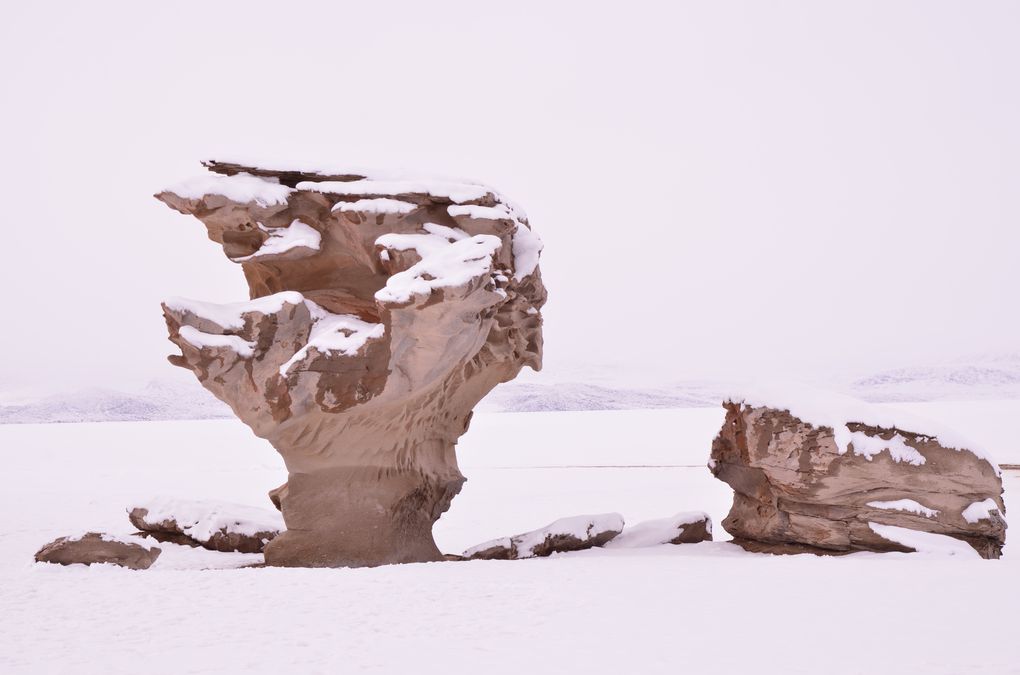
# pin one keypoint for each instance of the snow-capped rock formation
(566, 534)
(97, 548)
(217, 526)
(383, 308)
(814, 472)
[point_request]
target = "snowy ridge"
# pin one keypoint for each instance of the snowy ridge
(241, 188)
(986, 376)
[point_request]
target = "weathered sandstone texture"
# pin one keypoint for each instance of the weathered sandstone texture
(383, 308)
(566, 534)
(96, 547)
(855, 481)
(216, 526)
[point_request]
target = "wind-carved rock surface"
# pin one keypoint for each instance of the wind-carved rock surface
(383, 308)
(850, 477)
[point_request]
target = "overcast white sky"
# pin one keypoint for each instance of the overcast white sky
(723, 188)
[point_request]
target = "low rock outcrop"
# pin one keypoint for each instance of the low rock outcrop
(216, 526)
(97, 547)
(383, 308)
(683, 528)
(812, 472)
(564, 535)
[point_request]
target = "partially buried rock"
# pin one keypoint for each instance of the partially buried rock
(683, 528)
(821, 473)
(217, 526)
(566, 534)
(98, 547)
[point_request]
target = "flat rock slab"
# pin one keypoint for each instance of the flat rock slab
(684, 528)
(217, 526)
(566, 534)
(97, 547)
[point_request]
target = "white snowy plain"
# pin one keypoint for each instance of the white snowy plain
(701, 608)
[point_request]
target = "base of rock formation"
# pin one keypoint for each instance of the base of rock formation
(353, 517)
(96, 548)
(217, 526)
(564, 535)
(810, 479)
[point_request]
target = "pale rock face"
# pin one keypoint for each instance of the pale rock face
(379, 317)
(795, 491)
(96, 548)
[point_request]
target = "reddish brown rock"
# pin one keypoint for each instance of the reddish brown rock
(689, 527)
(850, 485)
(562, 536)
(217, 526)
(383, 309)
(96, 547)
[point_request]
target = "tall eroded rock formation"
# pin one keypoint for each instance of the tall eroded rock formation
(383, 308)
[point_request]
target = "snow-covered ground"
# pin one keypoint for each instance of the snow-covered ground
(704, 608)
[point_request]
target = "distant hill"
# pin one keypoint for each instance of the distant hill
(991, 377)
(995, 376)
(156, 401)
